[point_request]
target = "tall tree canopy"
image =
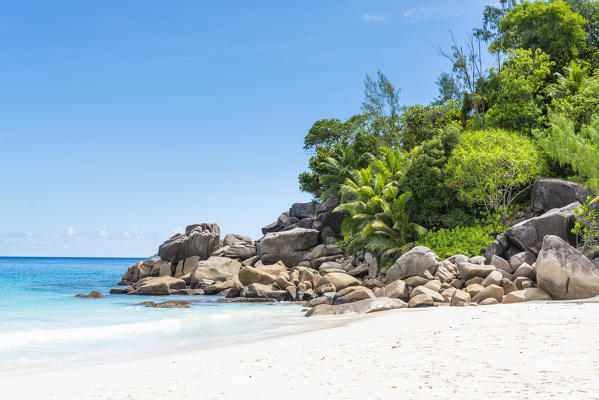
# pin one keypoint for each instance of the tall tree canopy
(551, 27)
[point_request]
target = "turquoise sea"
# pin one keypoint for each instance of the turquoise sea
(43, 326)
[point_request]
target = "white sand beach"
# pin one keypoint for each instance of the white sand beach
(518, 351)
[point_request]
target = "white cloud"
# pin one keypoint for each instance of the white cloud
(71, 231)
(103, 233)
(126, 234)
(372, 18)
(178, 229)
(426, 13)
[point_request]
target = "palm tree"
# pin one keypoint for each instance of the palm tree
(361, 196)
(340, 168)
(391, 232)
(574, 79)
(373, 194)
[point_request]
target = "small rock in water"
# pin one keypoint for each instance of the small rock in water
(92, 295)
(167, 304)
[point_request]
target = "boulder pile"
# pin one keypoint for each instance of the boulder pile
(297, 260)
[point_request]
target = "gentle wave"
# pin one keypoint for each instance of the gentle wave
(10, 340)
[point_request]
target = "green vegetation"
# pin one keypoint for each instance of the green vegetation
(467, 240)
(490, 167)
(586, 226)
(520, 103)
(578, 149)
(443, 174)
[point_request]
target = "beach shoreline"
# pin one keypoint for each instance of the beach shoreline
(527, 350)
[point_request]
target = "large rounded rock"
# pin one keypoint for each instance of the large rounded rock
(467, 271)
(494, 278)
(199, 240)
(321, 251)
(360, 307)
(162, 268)
(564, 272)
(490, 292)
(272, 269)
(530, 294)
(339, 280)
(284, 221)
(157, 286)
(397, 290)
(360, 293)
(460, 296)
(550, 193)
(529, 233)
(264, 291)
(215, 269)
(249, 275)
(417, 291)
(185, 267)
(287, 246)
(303, 210)
(237, 246)
(218, 287)
(413, 263)
(421, 300)
(139, 270)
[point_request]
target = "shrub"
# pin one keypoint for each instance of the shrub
(490, 167)
(586, 226)
(434, 204)
(467, 240)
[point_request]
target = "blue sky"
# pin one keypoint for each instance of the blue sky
(123, 121)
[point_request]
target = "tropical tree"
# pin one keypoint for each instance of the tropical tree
(578, 149)
(381, 105)
(365, 189)
(551, 27)
(338, 168)
(589, 10)
(392, 232)
(521, 102)
(575, 94)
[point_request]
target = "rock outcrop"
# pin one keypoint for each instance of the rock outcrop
(529, 234)
(297, 260)
(564, 272)
(413, 263)
(361, 307)
(236, 246)
(199, 240)
(215, 269)
(550, 193)
(287, 246)
(157, 286)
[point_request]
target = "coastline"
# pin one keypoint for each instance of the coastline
(528, 350)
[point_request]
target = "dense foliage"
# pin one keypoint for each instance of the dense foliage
(467, 240)
(432, 174)
(489, 167)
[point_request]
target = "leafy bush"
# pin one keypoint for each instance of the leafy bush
(520, 103)
(467, 240)
(586, 226)
(434, 204)
(421, 123)
(490, 167)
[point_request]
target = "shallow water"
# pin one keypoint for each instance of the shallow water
(43, 326)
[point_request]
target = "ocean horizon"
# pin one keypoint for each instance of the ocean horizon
(45, 327)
